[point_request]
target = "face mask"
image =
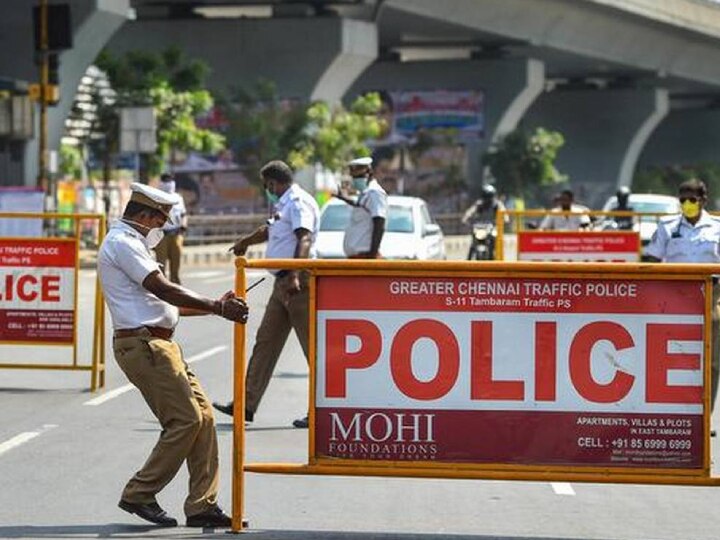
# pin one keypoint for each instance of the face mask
(271, 196)
(360, 182)
(691, 209)
(153, 236)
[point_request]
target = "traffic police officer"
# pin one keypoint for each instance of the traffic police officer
(691, 237)
(144, 309)
(366, 227)
(289, 233)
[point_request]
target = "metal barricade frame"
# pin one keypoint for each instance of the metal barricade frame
(699, 476)
(96, 367)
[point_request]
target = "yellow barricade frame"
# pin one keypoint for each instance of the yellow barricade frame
(490, 269)
(517, 215)
(96, 367)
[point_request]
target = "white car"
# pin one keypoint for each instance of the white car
(647, 202)
(410, 231)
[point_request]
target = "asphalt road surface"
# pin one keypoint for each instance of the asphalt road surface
(65, 455)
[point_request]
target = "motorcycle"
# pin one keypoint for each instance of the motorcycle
(482, 242)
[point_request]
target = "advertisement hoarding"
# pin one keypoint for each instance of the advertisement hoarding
(37, 290)
(588, 372)
(599, 246)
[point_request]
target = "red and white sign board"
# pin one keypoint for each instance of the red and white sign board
(584, 372)
(613, 246)
(37, 290)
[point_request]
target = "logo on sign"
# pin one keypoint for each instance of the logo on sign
(383, 435)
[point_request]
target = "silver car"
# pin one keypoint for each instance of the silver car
(410, 231)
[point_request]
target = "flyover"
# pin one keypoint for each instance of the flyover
(609, 74)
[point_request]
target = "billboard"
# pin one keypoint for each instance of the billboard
(583, 372)
(37, 290)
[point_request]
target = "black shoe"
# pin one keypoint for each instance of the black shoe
(228, 409)
(213, 518)
(149, 512)
(301, 423)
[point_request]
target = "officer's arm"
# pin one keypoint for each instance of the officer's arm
(304, 243)
(258, 236)
(189, 302)
(377, 234)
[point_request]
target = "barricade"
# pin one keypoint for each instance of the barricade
(600, 242)
(39, 286)
(575, 372)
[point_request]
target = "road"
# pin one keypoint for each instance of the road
(65, 455)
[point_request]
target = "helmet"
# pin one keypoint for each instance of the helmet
(488, 191)
(622, 192)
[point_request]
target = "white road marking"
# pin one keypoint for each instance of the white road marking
(17, 440)
(562, 488)
(107, 396)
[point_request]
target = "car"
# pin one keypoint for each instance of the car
(410, 231)
(647, 202)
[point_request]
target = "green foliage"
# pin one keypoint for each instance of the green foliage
(334, 135)
(173, 85)
(666, 179)
(71, 161)
(522, 161)
(262, 127)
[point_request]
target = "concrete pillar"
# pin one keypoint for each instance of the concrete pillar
(509, 86)
(685, 137)
(605, 132)
(313, 58)
(94, 21)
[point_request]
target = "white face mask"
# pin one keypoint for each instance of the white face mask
(153, 236)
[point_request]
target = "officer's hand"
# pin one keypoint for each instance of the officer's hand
(233, 308)
(239, 248)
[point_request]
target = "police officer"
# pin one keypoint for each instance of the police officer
(170, 247)
(289, 233)
(366, 227)
(691, 237)
(560, 220)
(144, 309)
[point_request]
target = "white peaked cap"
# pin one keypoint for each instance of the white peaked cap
(361, 162)
(153, 197)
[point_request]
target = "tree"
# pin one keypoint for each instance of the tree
(174, 86)
(261, 126)
(522, 161)
(666, 179)
(334, 135)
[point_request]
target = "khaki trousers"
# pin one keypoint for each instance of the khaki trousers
(177, 400)
(170, 249)
(272, 335)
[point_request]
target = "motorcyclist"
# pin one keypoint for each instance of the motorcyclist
(624, 223)
(483, 212)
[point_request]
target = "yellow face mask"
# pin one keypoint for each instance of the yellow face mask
(690, 209)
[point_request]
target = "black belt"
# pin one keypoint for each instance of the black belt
(155, 331)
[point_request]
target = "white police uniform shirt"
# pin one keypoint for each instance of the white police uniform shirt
(676, 240)
(296, 209)
(177, 214)
(372, 203)
(124, 261)
(556, 221)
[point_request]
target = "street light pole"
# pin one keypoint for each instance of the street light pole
(44, 77)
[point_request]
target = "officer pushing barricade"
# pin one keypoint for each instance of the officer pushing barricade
(145, 308)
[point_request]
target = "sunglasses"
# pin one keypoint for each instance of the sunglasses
(690, 199)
